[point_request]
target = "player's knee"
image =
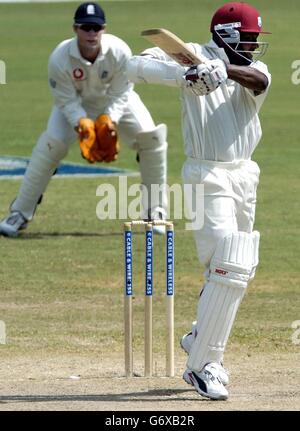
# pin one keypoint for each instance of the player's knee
(205, 254)
(153, 140)
(235, 258)
(207, 244)
(51, 148)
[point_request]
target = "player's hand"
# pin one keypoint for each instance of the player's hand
(107, 137)
(205, 78)
(87, 138)
(217, 75)
(194, 82)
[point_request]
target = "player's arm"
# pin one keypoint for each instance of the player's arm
(120, 86)
(248, 77)
(64, 93)
(153, 66)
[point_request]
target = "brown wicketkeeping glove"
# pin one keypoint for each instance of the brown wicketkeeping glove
(107, 137)
(87, 139)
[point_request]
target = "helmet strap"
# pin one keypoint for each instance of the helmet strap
(233, 56)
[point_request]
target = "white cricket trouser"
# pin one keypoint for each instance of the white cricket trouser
(229, 200)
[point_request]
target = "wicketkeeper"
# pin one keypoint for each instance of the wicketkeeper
(221, 100)
(95, 104)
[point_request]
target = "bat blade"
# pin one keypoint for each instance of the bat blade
(173, 46)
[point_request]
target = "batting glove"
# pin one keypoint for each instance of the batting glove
(201, 80)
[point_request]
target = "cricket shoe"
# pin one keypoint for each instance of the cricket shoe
(12, 224)
(186, 344)
(207, 382)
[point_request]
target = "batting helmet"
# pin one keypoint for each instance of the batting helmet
(237, 12)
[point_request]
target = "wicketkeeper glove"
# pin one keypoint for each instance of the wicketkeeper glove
(107, 138)
(98, 140)
(206, 78)
(87, 139)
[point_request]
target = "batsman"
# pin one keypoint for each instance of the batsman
(221, 99)
(95, 104)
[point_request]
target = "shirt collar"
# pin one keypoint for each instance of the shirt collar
(74, 50)
(219, 51)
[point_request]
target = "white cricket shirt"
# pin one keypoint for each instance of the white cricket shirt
(79, 86)
(224, 125)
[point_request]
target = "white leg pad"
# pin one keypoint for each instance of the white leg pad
(152, 149)
(232, 261)
(230, 267)
(44, 160)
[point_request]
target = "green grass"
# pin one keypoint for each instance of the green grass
(61, 283)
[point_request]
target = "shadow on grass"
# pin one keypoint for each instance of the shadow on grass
(42, 235)
(152, 395)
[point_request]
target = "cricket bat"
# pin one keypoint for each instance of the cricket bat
(173, 46)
